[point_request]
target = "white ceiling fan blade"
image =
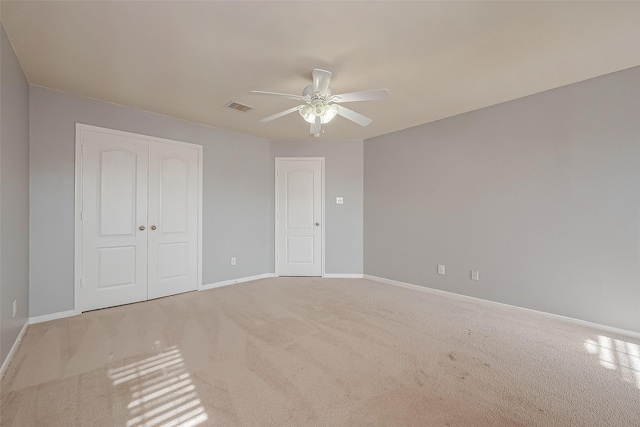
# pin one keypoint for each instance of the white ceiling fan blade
(316, 127)
(321, 79)
(365, 95)
(280, 114)
(353, 116)
(285, 95)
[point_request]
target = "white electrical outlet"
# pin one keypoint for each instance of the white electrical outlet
(339, 201)
(15, 307)
(233, 261)
(440, 269)
(475, 275)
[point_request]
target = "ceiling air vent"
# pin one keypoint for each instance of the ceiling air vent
(239, 107)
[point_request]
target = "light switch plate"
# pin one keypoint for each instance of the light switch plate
(339, 201)
(440, 269)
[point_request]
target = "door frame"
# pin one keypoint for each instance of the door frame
(278, 160)
(78, 238)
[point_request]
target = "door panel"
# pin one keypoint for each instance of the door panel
(174, 191)
(173, 210)
(173, 260)
(116, 267)
(117, 189)
(114, 205)
(300, 213)
(299, 186)
(300, 249)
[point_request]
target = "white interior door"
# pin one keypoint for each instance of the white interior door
(173, 219)
(138, 210)
(299, 216)
(114, 218)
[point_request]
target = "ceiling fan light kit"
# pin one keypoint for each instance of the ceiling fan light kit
(321, 106)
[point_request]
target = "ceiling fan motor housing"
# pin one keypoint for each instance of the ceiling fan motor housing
(308, 92)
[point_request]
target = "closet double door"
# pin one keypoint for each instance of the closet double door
(139, 218)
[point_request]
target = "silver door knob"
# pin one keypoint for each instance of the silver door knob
(317, 223)
(153, 227)
(141, 228)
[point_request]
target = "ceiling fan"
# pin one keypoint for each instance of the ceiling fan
(321, 106)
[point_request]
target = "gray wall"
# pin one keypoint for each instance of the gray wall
(343, 177)
(237, 192)
(14, 196)
(541, 195)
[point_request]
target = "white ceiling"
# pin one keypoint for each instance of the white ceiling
(438, 59)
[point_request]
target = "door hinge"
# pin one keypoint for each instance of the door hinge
(81, 283)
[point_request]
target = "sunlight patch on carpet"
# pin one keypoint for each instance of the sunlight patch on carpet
(617, 355)
(162, 393)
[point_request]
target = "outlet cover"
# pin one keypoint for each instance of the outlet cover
(475, 275)
(339, 201)
(440, 269)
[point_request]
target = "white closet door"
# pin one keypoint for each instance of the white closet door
(299, 193)
(114, 220)
(173, 219)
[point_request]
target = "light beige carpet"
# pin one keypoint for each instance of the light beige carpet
(319, 352)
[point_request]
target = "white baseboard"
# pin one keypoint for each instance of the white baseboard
(52, 316)
(604, 328)
(235, 281)
(343, 276)
(14, 348)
